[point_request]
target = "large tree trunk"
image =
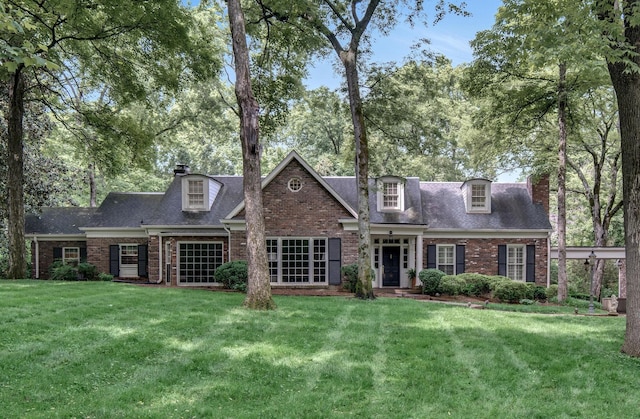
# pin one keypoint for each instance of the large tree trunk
(562, 184)
(259, 285)
(627, 87)
(15, 179)
(92, 185)
(364, 289)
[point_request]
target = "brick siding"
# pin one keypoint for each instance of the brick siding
(45, 249)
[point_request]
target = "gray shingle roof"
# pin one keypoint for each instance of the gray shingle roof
(60, 220)
(511, 208)
(125, 209)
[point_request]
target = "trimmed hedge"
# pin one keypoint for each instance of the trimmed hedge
(511, 292)
(430, 279)
(233, 275)
(451, 285)
(475, 285)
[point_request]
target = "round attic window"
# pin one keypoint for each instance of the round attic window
(295, 184)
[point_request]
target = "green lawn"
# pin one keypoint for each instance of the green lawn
(106, 350)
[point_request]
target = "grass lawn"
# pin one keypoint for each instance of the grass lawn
(107, 350)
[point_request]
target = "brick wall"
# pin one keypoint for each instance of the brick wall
(98, 250)
(539, 190)
(481, 255)
(46, 254)
(310, 212)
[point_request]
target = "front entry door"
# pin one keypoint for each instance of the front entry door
(391, 263)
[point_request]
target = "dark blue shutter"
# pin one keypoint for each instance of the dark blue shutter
(502, 259)
(431, 256)
(114, 260)
(335, 261)
(531, 263)
(57, 253)
(459, 259)
(143, 265)
(83, 254)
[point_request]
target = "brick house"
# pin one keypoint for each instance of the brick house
(181, 236)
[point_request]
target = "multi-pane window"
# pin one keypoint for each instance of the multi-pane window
(446, 259)
(478, 196)
(195, 194)
(516, 262)
(390, 196)
(198, 261)
(128, 254)
(71, 255)
(297, 260)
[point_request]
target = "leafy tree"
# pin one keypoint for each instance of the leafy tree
(117, 43)
(259, 285)
(620, 22)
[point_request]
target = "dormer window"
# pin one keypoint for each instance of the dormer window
(477, 195)
(391, 194)
(198, 192)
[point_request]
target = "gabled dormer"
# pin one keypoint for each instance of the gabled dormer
(390, 193)
(476, 194)
(198, 192)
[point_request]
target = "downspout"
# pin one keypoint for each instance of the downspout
(228, 242)
(548, 260)
(159, 258)
(37, 256)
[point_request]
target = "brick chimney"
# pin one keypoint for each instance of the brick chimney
(538, 187)
(181, 169)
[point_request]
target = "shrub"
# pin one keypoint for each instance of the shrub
(63, 272)
(350, 274)
(233, 275)
(102, 276)
(496, 280)
(552, 292)
(430, 279)
(527, 302)
(511, 292)
(537, 292)
(474, 284)
(451, 285)
(87, 271)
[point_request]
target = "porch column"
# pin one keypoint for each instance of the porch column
(419, 256)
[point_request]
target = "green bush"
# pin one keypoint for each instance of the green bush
(537, 292)
(511, 292)
(102, 276)
(63, 272)
(451, 285)
(233, 275)
(495, 280)
(87, 271)
(552, 292)
(350, 274)
(430, 279)
(475, 285)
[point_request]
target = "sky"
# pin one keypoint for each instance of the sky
(449, 37)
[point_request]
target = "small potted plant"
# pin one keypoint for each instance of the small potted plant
(411, 273)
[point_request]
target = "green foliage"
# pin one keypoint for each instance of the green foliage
(87, 271)
(451, 285)
(103, 276)
(474, 284)
(511, 292)
(527, 302)
(430, 279)
(63, 272)
(537, 292)
(552, 292)
(350, 277)
(233, 275)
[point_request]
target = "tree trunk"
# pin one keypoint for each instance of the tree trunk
(562, 184)
(364, 289)
(92, 185)
(627, 87)
(15, 179)
(259, 285)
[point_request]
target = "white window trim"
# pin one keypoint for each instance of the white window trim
(185, 193)
(486, 209)
(179, 280)
(66, 260)
(381, 194)
(122, 245)
(523, 268)
(277, 257)
(438, 264)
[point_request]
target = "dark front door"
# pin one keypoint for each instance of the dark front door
(391, 263)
